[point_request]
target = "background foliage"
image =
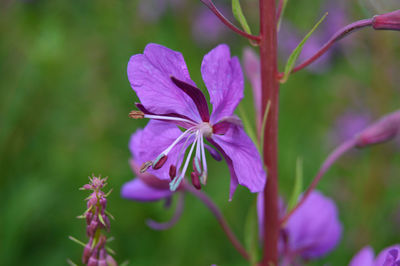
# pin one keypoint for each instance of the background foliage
(64, 104)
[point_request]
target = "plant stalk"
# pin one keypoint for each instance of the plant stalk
(270, 93)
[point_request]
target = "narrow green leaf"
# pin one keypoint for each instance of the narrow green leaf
(296, 52)
(264, 123)
(77, 241)
(282, 12)
(247, 125)
(298, 184)
(251, 234)
(239, 16)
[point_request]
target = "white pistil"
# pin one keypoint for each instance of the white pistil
(203, 177)
(170, 118)
(173, 185)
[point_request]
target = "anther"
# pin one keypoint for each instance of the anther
(195, 180)
(159, 161)
(145, 166)
(136, 114)
(203, 177)
(172, 171)
(196, 165)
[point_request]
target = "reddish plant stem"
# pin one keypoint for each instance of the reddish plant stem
(229, 24)
(220, 218)
(270, 93)
(340, 34)
(332, 158)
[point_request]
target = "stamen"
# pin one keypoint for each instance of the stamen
(196, 164)
(172, 171)
(203, 177)
(171, 118)
(145, 166)
(167, 150)
(175, 183)
(195, 180)
(136, 114)
(159, 161)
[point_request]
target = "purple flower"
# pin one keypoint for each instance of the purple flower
(146, 187)
(349, 124)
(151, 10)
(311, 232)
(206, 27)
(388, 257)
(171, 99)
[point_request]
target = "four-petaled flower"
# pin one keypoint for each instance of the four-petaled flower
(180, 117)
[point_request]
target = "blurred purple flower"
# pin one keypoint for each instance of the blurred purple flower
(388, 257)
(252, 69)
(151, 10)
(349, 124)
(207, 28)
(171, 99)
(289, 37)
(311, 232)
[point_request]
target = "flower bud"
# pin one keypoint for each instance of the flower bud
(110, 260)
(91, 228)
(383, 130)
(87, 251)
(93, 261)
(388, 21)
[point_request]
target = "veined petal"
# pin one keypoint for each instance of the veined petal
(385, 256)
(364, 257)
(242, 157)
(223, 78)
(150, 77)
(154, 139)
(138, 190)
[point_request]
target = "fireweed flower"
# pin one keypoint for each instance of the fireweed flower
(388, 257)
(146, 187)
(311, 232)
(172, 101)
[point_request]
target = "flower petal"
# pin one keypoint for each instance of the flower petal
(314, 229)
(154, 139)
(242, 157)
(138, 190)
(364, 257)
(386, 256)
(223, 78)
(150, 77)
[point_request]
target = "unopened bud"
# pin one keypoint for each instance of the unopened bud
(93, 261)
(195, 180)
(89, 216)
(136, 114)
(383, 130)
(87, 251)
(110, 261)
(92, 227)
(388, 21)
(159, 161)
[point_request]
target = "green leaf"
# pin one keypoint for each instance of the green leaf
(264, 123)
(298, 184)
(296, 52)
(239, 16)
(251, 234)
(282, 11)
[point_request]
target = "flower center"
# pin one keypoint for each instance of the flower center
(205, 129)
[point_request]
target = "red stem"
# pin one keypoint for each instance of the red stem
(270, 93)
(340, 34)
(220, 218)
(229, 24)
(335, 155)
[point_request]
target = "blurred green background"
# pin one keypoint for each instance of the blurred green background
(64, 104)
